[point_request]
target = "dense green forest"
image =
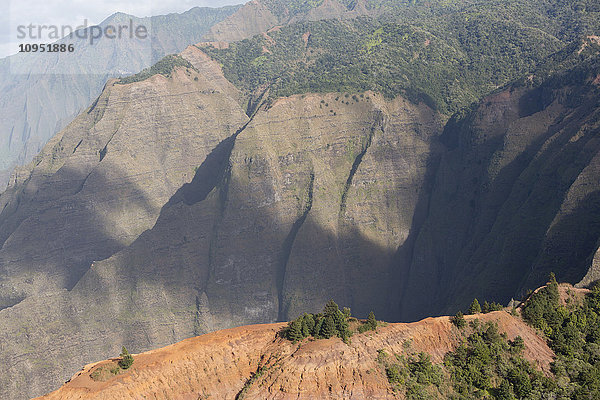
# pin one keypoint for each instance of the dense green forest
(446, 54)
(488, 366)
(573, 331)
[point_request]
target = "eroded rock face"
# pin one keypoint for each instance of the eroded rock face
(219, 364)
(95, 188)
(203, 218)
(514, 198)
(102, 181)
(593, 274)
(253, 18)
(164, 212)
(258, 16)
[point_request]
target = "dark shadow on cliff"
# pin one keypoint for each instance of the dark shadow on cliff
(400, 266)
(497, 228)
(56, 228)
(204, 257)
(505, 260)
(571, 243)
(202, 262)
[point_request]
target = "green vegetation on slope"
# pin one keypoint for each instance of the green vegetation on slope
(126, 359)
(488, 366)
(447, 54)
(412, 374)
(105, 372)
(443, 69)
(573, 332)
(164, 67)
(330, 323)
(572, 68)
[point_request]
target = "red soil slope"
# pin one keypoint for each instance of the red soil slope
(218, 365)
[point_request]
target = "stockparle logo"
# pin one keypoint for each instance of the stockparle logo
(91, 34)
(71, 49)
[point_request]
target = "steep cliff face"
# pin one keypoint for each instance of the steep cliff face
(219, 365)
(41, 94)
(169, 209)
(281, 216)
(593, 274)
(515, 197)
(252, 220)
(96, 187)
(102, 181)
(252, 19)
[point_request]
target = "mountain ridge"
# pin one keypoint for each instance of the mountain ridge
(36, 106)
(220, 364)
(176, 209)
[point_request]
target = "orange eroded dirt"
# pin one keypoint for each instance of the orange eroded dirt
(219, 364)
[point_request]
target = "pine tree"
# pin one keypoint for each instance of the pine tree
(371, 321)
(459, 320)
(328, 329)
(475, 308)
(331, 309)
(294, 331)
(339, 319)
(486, 307)
(344, 331)
(309, 321)
(304, 326)
(126, 359)
(318, 326)
(552, 279)
(517, 345)
(347, 313)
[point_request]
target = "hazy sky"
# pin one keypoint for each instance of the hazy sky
(74, 12)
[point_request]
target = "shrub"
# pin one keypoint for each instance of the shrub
(126, 359)
(104, 373)
(474, 308)
(413, 375)
(459, 320)
(332, 322)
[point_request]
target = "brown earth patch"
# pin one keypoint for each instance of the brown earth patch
(305, 38)
(216, 45)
